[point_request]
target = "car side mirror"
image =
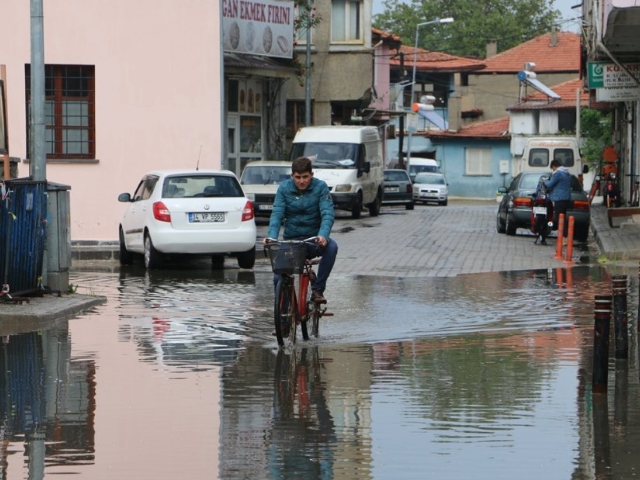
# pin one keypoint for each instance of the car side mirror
(502, 190)
(124, 197)
(585, 169)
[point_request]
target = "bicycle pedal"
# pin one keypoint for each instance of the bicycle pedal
(327, 314)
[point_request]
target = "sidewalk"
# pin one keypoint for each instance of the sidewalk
(616, 244)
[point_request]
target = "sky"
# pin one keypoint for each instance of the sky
(563, 5)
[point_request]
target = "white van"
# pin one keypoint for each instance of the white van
(349, 159)
(540, 151)
(419, 165)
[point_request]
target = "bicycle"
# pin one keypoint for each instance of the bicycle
(288, 259)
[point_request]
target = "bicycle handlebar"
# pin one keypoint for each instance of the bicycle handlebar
(306, 240)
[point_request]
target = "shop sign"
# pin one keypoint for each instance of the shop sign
(258, 27)
(612, 83)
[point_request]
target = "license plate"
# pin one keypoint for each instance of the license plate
(265, 207)
(391, 189)
(539, 210)
(205, 217)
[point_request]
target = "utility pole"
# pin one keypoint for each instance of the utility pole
(37, 153)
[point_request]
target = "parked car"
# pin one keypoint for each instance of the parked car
(515, 207)
(431, 187)
(203, 212)
(260, 181)
(397, 188)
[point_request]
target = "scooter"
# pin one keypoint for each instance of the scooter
(541, 214)
(610, 191)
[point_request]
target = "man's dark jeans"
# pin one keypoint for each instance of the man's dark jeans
(561, 206)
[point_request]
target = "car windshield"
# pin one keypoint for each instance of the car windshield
(264, 175)
(530, 182)
(327, 155)
(187, 186)
(397, 176)
(430, 178)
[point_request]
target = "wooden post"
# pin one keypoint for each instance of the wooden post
(602, 317)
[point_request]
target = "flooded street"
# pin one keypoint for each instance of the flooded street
(178, 376)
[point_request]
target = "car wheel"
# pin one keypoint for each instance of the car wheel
(581, 234)
(510, 229)
(409, 206)
(152, 257)
(374, 207)
(247, 259)
(499, 226)
(356, 210)
(126, 257)
(444, 204)
(217, 262)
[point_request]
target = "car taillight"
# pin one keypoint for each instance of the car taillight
(409, 188)
(247, 212)
(522, 202)
(161, 212)
(581, 205)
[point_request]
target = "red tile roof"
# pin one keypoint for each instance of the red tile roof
(536, 100)
(436, 61)
(563, 56)
(496, 129)
(386, 35)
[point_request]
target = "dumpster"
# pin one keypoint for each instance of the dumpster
(23, 218)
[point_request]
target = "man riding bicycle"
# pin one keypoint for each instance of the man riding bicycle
(303, 203)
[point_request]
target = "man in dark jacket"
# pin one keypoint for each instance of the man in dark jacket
(303, 203)
(559, 190)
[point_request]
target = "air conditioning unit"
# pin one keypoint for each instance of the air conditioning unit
(396, 106)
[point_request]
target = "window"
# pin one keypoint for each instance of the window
(346, 21)
(301, 33)
(69, 111)
(296, 116)
(478, 161)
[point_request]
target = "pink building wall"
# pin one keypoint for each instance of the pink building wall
(158, 72)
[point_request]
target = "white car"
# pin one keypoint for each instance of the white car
(430, 187)
(260, 181)
(200, 212)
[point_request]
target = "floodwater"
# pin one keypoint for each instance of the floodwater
(177, 376)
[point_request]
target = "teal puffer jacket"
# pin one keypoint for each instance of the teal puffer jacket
(305, 213)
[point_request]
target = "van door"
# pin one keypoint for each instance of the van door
(364, 174)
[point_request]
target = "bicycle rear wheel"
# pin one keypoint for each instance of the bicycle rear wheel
(284, 311)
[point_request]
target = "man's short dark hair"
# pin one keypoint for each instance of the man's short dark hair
(301, 165)
(555, 163)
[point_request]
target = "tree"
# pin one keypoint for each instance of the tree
(595, 127)
(509, 22)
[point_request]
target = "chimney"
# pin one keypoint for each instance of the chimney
(492, 47)
(554, 37)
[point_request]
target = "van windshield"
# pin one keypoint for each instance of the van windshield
(415, 169)
(327, 155)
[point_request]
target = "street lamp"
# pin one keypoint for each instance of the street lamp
(413, 78)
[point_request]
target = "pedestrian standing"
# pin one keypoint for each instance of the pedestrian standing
(559, 190)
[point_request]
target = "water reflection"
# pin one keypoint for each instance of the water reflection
(177, 376)
(46, 402)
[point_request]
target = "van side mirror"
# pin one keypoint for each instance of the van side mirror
(585, 169)
(366, 168)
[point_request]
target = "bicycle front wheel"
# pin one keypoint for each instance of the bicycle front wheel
(284, 311)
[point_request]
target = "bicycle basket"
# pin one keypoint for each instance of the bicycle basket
(287, 257)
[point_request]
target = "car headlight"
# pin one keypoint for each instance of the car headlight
(345, 187)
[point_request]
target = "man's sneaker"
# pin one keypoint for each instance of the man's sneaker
(317, 297)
